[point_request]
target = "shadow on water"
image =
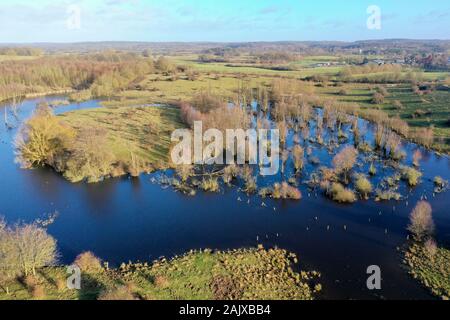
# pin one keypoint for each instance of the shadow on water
(134, 219)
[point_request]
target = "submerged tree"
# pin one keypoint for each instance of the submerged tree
(298, 155)
(344, 161)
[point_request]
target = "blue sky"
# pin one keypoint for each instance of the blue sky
(220, 20)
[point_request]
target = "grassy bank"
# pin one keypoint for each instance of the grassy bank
(90, 145)
(238, 274)
(431, 266)
(137, 137)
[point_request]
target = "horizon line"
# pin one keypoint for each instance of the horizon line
(222, 42)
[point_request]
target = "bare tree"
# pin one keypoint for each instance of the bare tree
(25, 248)
(298, 156)
(421, 221)
(344, 161)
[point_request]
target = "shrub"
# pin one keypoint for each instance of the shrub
(430, 247)
(398, 105)
(383, 91)
(164, 65)
(161, 281)
(283, 129)
(30, 282)
(43, 140)
(210, 184)
(343, 92)
(372, 170)
(91, 157)
(206, 102)
(121, 293)
(185, 171)
(440, 184)
(298, 154)
(250, 185)
(340, 194)
(229, 173)
(411, 175)
(377, 98)
(363, 186)
(88, 262)
(421, 221)
(290, 192)
(439, 181)
(284, 191)
(344, 161)
(29, 247)
(225, 288)
(38, 292)
(386, 195)
(61, 284)
(424, 136)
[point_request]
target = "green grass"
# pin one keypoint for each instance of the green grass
(432, 270)
(238, 274)
(16, 58)
(435, 103)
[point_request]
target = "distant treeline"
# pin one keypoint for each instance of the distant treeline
(98, 75)
(276, 57)
(372, 73)
(21, 51)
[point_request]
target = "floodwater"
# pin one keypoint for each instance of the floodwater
(127, 219)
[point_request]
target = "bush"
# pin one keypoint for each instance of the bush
(25, 248)
(61, 284)
(184, 172)
(421, 221)
(438, 181)
(38, 292)
(161, 281)
(363, 186)
(430, 247)
(88, 262)
(377, 98)
(121, 293)
(344, 161)
(343, 92)
(91, 157)
(417, 156)
(225, 288)
(298, 156)
(229, 173)
(372, 170)
(386, 195)
(43, 140)
(210, 184)
(206, 102)
(285, 191)
(411, 175)
(340, 194)
(250, 185)
(398, 105)
(440, 184)
(382, 90)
